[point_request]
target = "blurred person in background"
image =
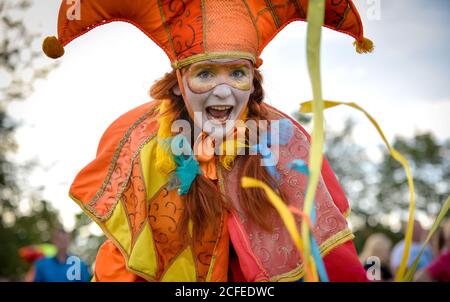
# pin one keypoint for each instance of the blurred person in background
(32, 253)
(416, 246)
(439, 269)
(438, 243)
(62, 267)
(378, 245)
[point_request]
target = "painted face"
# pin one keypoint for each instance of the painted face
(217, 92)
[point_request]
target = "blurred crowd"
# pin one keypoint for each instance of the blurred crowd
(381, 259)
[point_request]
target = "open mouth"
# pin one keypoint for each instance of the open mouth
(219, 114)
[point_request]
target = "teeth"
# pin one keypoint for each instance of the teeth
(220, 107)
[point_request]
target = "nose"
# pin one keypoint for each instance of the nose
(222, 91)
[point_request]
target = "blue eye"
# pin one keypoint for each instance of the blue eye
(238, 73)
(205, 74)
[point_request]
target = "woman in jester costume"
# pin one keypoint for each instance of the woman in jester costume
(165, 185)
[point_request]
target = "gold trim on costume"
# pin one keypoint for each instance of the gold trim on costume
(122, 189)
(299, 9)
(329, 244)
(347, 212)
(112, 238)
(113, 163)
(205, 49)
(211, 268)
(166, 28)
(275, 17)
(253, 21)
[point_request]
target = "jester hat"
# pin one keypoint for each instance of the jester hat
(194, 30)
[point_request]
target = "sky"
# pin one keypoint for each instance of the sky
(404, 84)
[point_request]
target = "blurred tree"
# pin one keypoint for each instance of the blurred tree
(430, 164)
(19, 230)
(21, 59)
(24, 220)
(378, 192)
(352, 167)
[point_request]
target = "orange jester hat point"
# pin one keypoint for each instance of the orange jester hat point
(192, 31)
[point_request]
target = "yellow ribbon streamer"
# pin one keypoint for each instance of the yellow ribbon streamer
(410, 274)
(286, 216)
(315, 19)
(307, 107)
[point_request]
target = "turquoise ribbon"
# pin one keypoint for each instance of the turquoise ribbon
(301, 167)
(187, 166)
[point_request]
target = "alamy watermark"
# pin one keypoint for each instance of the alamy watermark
(373, 10)
(74, 271)
(74, 10)
(373, 273)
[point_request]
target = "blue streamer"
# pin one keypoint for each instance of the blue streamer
(301, 167)
(286, 131)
